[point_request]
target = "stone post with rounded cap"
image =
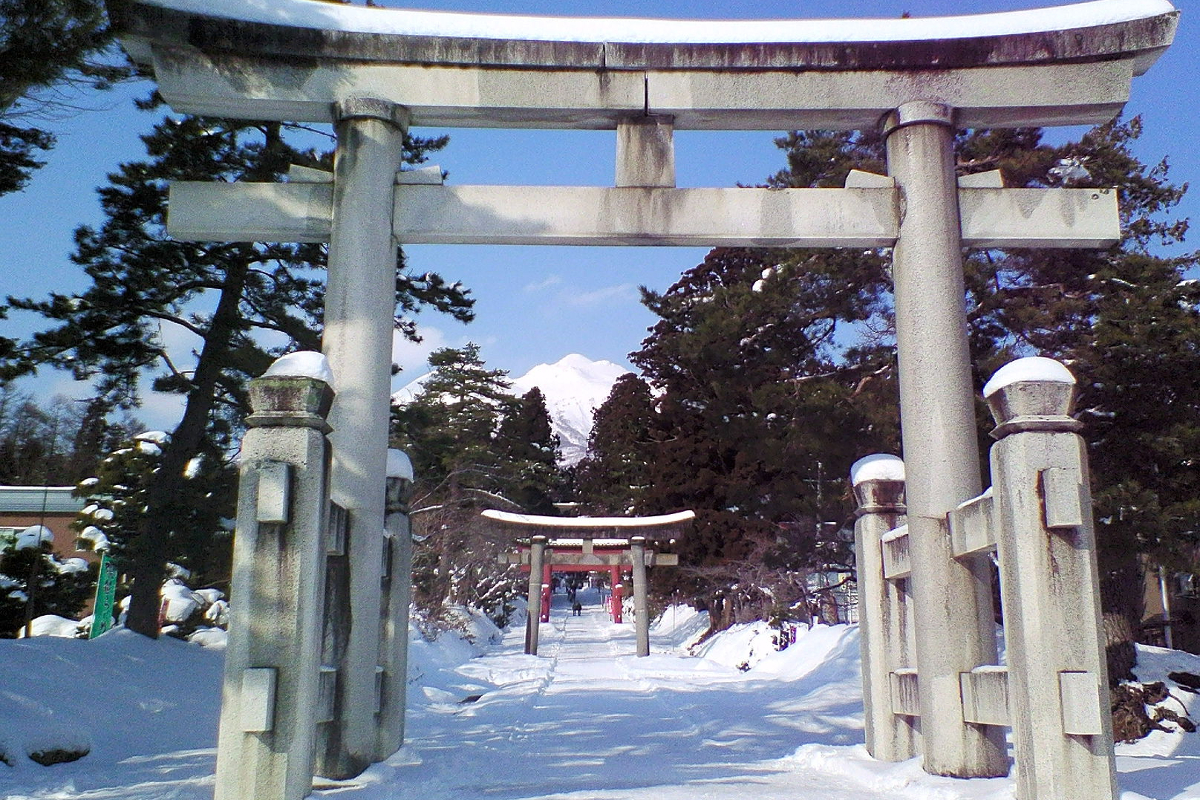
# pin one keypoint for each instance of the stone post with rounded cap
(270, 691)
(885, 608)
(1046, 547)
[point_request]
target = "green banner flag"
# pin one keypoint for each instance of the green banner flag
(106, 594)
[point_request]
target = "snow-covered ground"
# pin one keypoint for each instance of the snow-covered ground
(584, 719)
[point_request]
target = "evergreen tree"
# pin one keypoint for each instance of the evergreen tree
(474, 446)
(45, 44)
(614, 476)
(225, 295)
(1126, 322)
(116, 500)
(448, 432)
(528, 450)
(756, 419)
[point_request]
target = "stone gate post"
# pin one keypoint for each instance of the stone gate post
(1046, 545)
(397, 595)
(270, 691)
(360, 303)
(954, 626)
(885, 612)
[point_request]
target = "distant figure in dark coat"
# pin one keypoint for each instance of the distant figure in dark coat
(577, 609)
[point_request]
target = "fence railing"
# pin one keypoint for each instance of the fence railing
(1052, 690)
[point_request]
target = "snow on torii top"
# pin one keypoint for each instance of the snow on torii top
(359, 19)
(588, 527)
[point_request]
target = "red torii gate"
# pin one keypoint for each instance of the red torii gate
(586, 544)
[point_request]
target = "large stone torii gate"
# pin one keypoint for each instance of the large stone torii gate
(373, 72)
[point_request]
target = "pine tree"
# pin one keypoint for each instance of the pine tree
(1124, 320)
(755, 419)
(226, 295)
(528, 451)
(614, 476)
(449, 431)
(45, 44)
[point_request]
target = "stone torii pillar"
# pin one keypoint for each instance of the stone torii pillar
(537, 552)
(359, 307)
(641, 608)
(937, 418)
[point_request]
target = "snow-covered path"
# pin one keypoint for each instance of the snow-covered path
(584, 720)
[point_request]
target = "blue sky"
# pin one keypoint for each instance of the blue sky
(534, 304)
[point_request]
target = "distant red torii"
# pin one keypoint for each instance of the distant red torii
(586, 544)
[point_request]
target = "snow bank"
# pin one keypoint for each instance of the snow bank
(54, 625)
(125, 698)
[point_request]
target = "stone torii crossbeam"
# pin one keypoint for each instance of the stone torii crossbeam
(373, 72)
(633, 534)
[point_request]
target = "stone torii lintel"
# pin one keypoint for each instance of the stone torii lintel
(293, 59)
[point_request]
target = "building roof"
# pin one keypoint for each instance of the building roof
(36, 499)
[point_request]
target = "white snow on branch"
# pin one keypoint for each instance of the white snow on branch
(34, 537)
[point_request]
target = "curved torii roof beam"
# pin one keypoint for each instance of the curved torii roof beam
(589, 527)
(292, 59)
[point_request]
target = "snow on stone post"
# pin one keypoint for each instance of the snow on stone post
(397, 595)
(537, 552)
(1046, 546)
(937, 418)
(271, 682)
(885, 607)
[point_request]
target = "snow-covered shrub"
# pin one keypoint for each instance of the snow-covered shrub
(60, 587)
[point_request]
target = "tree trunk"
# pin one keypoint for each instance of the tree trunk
(164, 507)
(1121, 603)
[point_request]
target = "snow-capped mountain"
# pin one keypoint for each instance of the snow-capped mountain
(574, 388)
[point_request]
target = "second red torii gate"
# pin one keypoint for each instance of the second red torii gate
(589, 544)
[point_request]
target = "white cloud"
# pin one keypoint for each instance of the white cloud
(620, 293)
(548, 282)
(412, 357)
